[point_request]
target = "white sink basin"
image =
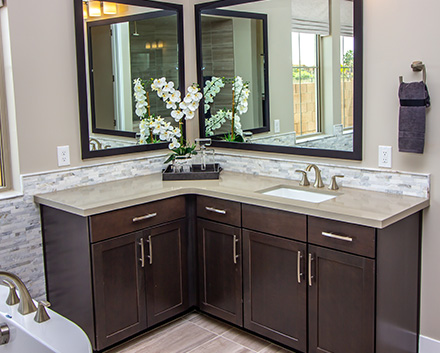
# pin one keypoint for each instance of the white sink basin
(301, 195)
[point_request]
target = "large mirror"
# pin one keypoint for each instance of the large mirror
(121, 47)
(307, 52)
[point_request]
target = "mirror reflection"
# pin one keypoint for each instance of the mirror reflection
(131, 41)
(120, 52)
(234, 45)
(312, 64)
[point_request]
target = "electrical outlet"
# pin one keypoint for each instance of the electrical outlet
(385, 156)
(276, 125)
(63, 156)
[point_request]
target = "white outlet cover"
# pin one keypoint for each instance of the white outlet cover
(63, 153)
(385, 156)
(276, 127)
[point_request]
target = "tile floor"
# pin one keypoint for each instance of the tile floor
(197, 333)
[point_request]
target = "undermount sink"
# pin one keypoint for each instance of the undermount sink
(297, 194)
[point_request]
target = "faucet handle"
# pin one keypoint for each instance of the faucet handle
(304, 180)
(333, 184)
(42, 314)
(12, 297)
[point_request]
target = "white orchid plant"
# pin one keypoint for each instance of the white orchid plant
(240, 95)
(155, 128)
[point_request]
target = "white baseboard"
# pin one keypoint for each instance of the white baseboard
(428, 345)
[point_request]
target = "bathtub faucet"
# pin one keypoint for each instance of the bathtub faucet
(26, 305)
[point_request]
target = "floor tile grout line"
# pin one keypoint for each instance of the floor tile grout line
(212, 339)
(215, 321)
(248, 348)
(218, 334)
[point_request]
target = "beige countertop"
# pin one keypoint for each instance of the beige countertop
(357, 206)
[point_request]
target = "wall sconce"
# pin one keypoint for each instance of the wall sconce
(154, 45)
(148, 45)
(160, 44)
(95, 8)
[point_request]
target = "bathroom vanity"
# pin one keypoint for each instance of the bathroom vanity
(336, 276)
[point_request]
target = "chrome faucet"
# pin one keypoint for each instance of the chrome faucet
(318, 180)
(26, 305)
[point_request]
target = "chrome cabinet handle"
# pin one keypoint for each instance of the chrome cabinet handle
(234, 249)
(147, 216)
(150, 248)
(310, 269)
(336, 236)
(215, 210)
(298, 271)
(142, 259)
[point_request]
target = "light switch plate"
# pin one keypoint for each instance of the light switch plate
(63, 153)
(385, 153)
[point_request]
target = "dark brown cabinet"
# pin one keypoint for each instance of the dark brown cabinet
(140, 279)
(117, 273)
(275, 289)
(166, 271)
(313, 284)
(341, 301)
(220, 278)
(118, 289)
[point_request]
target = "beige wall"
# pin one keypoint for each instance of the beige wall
(395, 34)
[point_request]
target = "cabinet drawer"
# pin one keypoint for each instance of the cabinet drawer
(276, 222)
(219, 210)
(107, 225)
(347, 237)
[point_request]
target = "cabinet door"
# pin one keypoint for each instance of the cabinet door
(275, 299)
(220, 281)
(341, 302)
(118, 289)
(166, 271)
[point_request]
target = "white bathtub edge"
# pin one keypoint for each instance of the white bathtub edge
(428, 345)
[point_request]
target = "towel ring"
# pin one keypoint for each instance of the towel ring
(417, 66)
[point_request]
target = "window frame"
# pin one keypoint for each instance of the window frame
(318, 84)
(7, 182)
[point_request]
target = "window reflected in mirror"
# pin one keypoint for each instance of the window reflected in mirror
(309, 64)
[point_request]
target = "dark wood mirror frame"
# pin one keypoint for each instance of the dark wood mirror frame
(356, 154)
(82, 74)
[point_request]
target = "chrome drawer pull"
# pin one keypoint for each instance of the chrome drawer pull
(142, 259)
(215, 210)
(336, 236)
(147, 216)
(310, 269)
(299, 273)
(234, 249)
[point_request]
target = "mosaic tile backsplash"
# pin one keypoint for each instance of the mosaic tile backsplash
(20, 228)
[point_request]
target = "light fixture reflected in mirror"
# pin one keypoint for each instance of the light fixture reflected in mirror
(155, 45)
(94, 8)
(97, 8)
(85, 13)
(109, 8)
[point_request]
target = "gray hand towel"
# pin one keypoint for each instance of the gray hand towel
(414, 99)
